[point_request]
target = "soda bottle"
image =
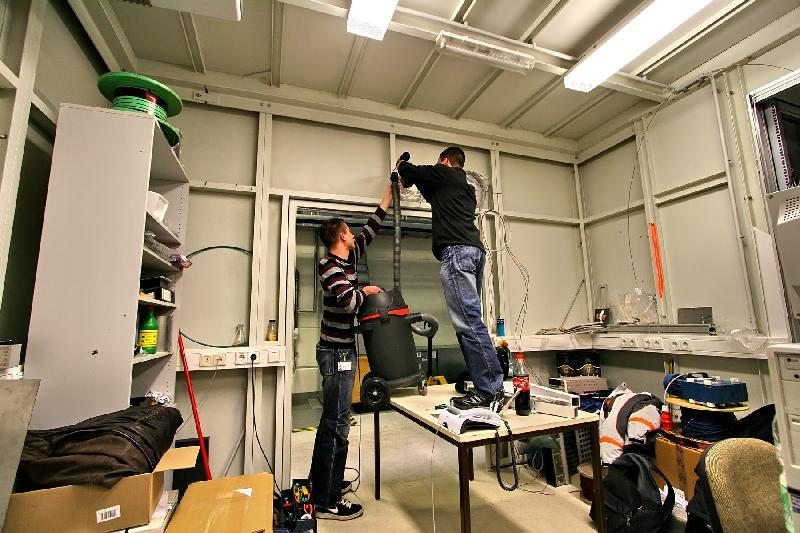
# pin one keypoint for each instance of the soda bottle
(522, 403)
(504, 356)
(148, 332)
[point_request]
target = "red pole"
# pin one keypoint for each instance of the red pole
(203, 452)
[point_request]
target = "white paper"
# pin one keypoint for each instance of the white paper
(345, 366)
(110, 513)
(246, 492)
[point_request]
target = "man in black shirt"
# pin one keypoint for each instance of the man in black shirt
(457, 244)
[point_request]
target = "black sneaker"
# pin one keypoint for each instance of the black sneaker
(344, 510)
(347, 486)
(475, 399)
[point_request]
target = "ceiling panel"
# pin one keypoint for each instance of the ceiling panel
(448, 84)
(749, 21)
(609, 108)
(506, 94)
(440, 8)
(249, 38)
(581, 23)
(505, 17)
(154, 33)
(388, 67)
(315, 49)
(553, 107)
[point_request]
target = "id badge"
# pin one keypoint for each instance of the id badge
(344, 364)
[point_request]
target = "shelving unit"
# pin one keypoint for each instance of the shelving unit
(86, 306)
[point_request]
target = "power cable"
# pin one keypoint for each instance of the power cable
(255, 426)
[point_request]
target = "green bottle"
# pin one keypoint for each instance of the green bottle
(148, 332)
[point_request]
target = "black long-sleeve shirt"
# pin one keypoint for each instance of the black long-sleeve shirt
(452, 201)
(341, 296)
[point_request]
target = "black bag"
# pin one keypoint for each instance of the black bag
(98, 451)
(632, 499)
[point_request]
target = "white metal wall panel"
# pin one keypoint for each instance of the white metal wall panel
(606, 178)
(217, 287)
(67, 71)
(536, 186)
(313, 157)
(218, 144)
(427, 153)
(702, 254)
(552, 256)
(643, 372)
(684, 142)
(611, 258)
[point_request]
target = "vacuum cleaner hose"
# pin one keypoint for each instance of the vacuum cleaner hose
(396, 213)
(428, 327)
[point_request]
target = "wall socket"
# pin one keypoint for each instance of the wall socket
(680, 345)
(652, 343)
(212, 359)
(629, 342)
(244, 358)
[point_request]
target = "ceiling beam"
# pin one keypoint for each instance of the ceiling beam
(545, 17)
(462, 10)
(213, 84)
(427, 27)
(353, 62)
(104, 29)
(276, 52)
(587, 106)
(693, 35)
(528, 104)
(193, 42)
(476, 93)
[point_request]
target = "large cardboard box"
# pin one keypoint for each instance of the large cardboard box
(93, 509)
(678, 463)
(240, 504)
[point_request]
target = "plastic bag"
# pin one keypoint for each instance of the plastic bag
(636, 308)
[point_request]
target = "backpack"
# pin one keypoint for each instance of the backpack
(628, 422)
(632, 499)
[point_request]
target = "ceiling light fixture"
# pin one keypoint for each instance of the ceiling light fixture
(370, 18)
(644, 30)
(504, 58)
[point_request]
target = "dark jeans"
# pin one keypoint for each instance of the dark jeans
(462, 277)
(337, 367)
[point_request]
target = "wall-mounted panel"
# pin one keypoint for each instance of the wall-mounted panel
(611, 258)
(218, 144)
(217, 287)
(308, 156)
(427, 153)
(607, 178)
(552, 256)
(537, 187)
(702, 257)
(68, 62)
(684, 142)
(643, 372)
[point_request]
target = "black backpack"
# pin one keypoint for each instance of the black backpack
(632, 499)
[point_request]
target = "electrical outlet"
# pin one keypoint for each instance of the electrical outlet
(219, 359)
(680, 345)
(651, 343)
(254, 356)
(242, 358)
(207, 359)
(629, 342)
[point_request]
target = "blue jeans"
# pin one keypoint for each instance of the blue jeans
(328, 461)
(462, 277)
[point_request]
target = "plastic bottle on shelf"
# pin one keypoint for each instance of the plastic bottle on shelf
(148, 332)
(666, 418)
(522, 403)
(272, 331)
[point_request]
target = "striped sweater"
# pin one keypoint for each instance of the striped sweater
(341, 297)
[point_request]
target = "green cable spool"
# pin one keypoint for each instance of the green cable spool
(133, 92)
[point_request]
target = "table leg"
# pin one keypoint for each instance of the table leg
(597, 472)
(377, 429)
(471, 465)
(464, 464)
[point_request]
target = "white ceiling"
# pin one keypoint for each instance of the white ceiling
(315, 48)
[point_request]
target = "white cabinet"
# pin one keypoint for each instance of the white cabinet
(86, 300)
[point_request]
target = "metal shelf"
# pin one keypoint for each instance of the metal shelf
(164, 235)
(150, 357)
(165, 165)
(156, 303)
(153, 261)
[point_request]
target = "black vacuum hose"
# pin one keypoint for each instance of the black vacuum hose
(405, 156)
(429, 326)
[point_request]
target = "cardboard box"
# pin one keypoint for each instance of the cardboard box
(678, 463)
(89, 508)
(240, 504)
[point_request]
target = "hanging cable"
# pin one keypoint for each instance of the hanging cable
(513, 458)
(255, 427)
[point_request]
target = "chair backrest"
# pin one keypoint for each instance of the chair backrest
(743, 481)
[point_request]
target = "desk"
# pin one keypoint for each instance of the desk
(420, 409)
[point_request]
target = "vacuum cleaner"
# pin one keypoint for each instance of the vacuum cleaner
(388, 328)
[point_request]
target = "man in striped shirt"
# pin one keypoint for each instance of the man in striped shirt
(336, 356)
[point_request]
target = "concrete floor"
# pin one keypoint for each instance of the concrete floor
(407, 471)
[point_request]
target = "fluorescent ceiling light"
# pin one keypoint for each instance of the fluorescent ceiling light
(505, 58)
(370, 18)
(651, 25)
